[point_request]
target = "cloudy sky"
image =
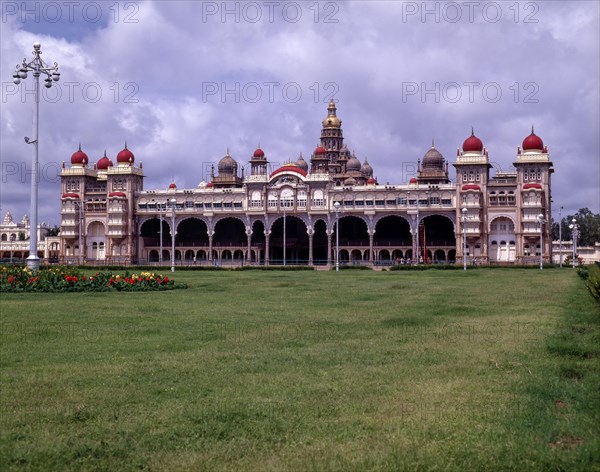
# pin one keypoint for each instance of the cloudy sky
(183, 81)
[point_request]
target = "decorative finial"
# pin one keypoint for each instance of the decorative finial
(105, 153)
(432, 144)
(125, 144)
(532, 130)
(472, 131)
(80, 146)
(227, 151)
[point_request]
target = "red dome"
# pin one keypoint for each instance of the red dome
(79, 157)
(259, 153)
(209, 185)
(104, 163)
(371, 181)
(320, 150)
(413, 181)
(533, 142)
(172, 185)
(125, 155)
(472, 143)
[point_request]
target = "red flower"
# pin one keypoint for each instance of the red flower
(10, 279)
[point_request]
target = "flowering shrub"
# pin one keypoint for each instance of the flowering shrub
(66, 279)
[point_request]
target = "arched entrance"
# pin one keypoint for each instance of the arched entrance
(501, 246)
(436, 236)
(296, 241)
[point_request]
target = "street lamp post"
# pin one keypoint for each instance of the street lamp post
(173, 201)
(336, 207)
(541, 222)
(464, 228)
(160, 254)
(79, 231)
(284, 231)
(575, 228)
(560, 236)
(38, 67)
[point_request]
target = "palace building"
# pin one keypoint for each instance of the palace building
(251, 213)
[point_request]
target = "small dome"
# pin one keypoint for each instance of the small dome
(302, 164)
(227, 165)
(367, 169)
(104, 162)
(125, 156)
(350, 181)
(413, 181)
(533, 142)
(371, 181)
(209, 185)
(172, 186)
(259, 153)
(433, 158)
(353, 164)
(472, 143)
(79, 157)
(320, 150)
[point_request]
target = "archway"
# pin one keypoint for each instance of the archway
(435, 232)
(192, 232)
(229, 232)
(150, 232)
(96, 240)
(392, 230)
(296, 241)
(501, 239)
(320, 243)
(257, 239)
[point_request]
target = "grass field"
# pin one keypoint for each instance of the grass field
(437, 370)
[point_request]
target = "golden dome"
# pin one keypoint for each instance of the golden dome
(332, 121)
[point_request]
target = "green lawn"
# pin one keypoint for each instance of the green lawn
(492, 369)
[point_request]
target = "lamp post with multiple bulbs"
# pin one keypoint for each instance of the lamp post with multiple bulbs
(464, 228)
(38, 67)
(575, 228)
(160, 231)
(336, 207)
(173, 202)
(541, 222)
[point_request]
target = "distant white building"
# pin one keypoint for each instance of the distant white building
(588, 254)
(14, 240)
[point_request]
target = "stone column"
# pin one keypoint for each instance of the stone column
(249, 240)
(371, 238)
(267, 237)
(329, 236)
(310, 247)
(210, 248)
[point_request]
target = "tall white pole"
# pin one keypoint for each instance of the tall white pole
(337, 239)
(173, 236)
(160, 255)
(560, 236)
(284, 231)
(541, 221)
(79, 215)
(418, 231)
(38, 67)
(464, 225)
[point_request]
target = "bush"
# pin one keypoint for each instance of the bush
(69, 279)
(593, 281)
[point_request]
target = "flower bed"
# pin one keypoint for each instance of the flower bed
(67, 279)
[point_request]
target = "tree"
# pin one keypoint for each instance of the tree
(21, 236)
(589, 227)
(54, 231)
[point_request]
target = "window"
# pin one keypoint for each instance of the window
(464, 177)
(434, 200)
(379, 202)
(446, 201)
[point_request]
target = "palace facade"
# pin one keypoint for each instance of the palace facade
(256, 214)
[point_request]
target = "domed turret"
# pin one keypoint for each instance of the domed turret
(125, 156)
(367, 169)
(302, 164)
(533, 142)
(472, 143)
(227, 165)
(79, 158)
(259, 153)
(353, 164)
(104, 162)
(433, 159)
(332, 121)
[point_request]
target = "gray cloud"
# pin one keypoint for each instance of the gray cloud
(157, 79)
